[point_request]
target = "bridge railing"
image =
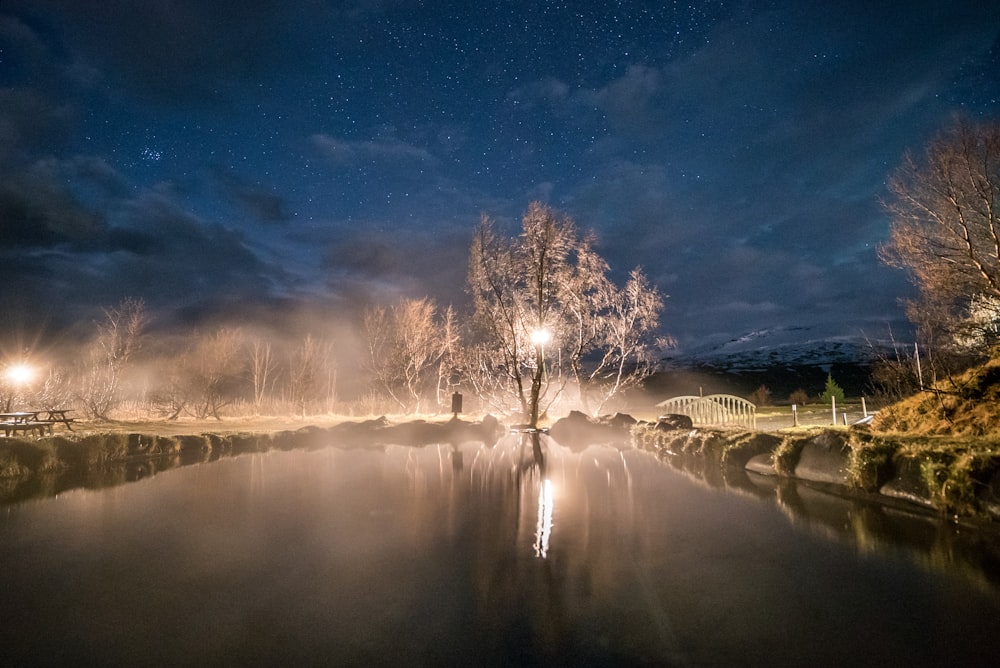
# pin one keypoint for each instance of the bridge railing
(713, 410)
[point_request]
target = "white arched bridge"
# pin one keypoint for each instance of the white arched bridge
(714, 410)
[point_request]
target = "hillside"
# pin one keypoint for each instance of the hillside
(965, 405)
(781, 359)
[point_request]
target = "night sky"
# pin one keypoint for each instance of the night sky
(285, 160)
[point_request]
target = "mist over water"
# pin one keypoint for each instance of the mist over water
(466, 555)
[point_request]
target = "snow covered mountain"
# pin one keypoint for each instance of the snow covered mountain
(783, 359)
(767, 348)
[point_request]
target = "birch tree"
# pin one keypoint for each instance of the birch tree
(407, 346)
(945, 209)
(263, 367)
(550, 281)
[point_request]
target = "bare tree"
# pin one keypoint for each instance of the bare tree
(407, 344)
(496, 283)
(56, 391)
(263, 367)
(311, 372)
(542, 302)
(381, 363)
(450, 359)
(117, 341)
(627, 340)
(206, 377)
(893, 376)
(946, 234)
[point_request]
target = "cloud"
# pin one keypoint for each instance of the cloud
(546, 91)
(635, 104)
(385, 150)
(76, 238)
(30, 123)
(179, 51)
(262, 203)
(37, 211)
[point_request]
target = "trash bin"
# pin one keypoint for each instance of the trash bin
(456, 403)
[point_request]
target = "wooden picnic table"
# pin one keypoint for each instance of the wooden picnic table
(59, 415)
(32, 421)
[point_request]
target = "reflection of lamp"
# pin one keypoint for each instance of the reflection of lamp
(543, 529)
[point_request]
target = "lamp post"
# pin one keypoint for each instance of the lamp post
(18, 376)
(539, 337)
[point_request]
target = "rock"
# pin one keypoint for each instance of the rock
(825, 458)
(673, 421)
(989, 496)
(908, 483)
(620, 421)
(577, 430)
(762, 464)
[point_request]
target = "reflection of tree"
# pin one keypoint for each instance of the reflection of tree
(532, 606)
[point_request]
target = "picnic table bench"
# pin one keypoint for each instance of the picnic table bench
(35, 422)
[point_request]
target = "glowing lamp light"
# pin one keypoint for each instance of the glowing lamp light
(540, 337)
(19, 374)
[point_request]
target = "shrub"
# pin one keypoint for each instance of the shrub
(761, 396)
(799, 397)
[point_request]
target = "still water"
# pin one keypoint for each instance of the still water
(464, 556)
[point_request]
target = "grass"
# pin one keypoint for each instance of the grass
(964, 406)
(772, 418)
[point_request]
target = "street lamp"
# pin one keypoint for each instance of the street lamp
(17, 376)
(540, 337)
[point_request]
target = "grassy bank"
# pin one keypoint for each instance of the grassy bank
(954, 475)
(91, 457)
(954, 478)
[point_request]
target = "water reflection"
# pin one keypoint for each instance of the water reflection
(871, 524)
(544, 529)
(523, 553)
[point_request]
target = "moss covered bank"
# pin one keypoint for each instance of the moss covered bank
(49, 465)
(953, 479)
